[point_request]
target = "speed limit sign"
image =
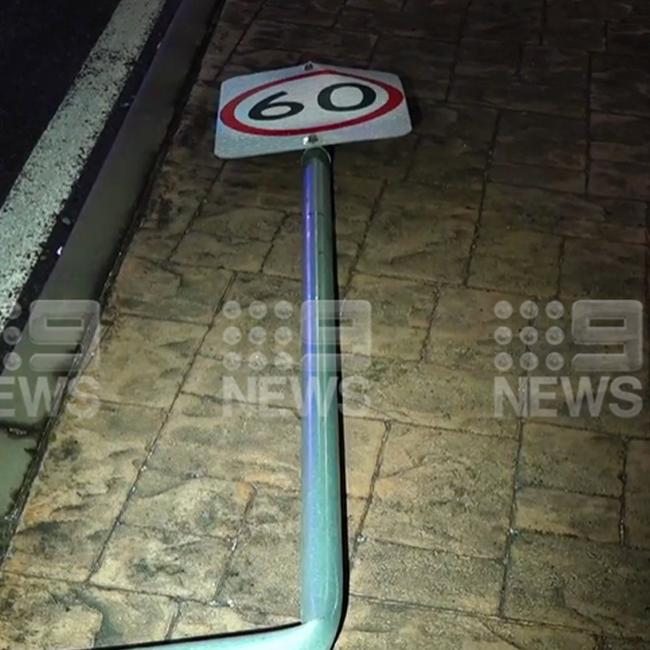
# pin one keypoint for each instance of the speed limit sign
(308, 105)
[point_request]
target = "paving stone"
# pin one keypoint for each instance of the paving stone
(379, 159)
(278, 187)
(515, 95)
(602, 269)
(552, 178)
(451, 161)
(424, 66)
(585, 34)
(240, 12)
(541, 140)
(438, 22)
(487, 59)
(314, 12)
(427, 5)
(623, 644)
(254, 182)
(193, 142)
(422, 576)
(84, 480)
(265, 569)
(431, 396)
(376, 625)
(230, 442)
(620, 84)
(441, 490)
(260, 314)
(197, 620)
(463, 329)
(267, 59)
(274, 384)
(492, 19)
(58, 615)
(222, 251)
(629, 37)
(168, 291)
(577, 515)
(355, 47)
(18, 452)
(330, 6)
(591, 9)
(568, 459)
(163, 562)
(549, 65)
(627, 180)
(446, 123)
(222, 44)
(520, 261)
(413, 58)
(429, 242)
(592, 586)
(355, 196)
(433, 199)
(285, 258)
(637, 494)
(203, 97)
(175, 197)
(155, 245)
(619, 138)
(202, 506)
(382, 5)
(400, 316)
(144, 361)
(238, 222)
(558, 213)
(243, 443)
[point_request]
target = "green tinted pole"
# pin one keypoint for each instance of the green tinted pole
(322, 542)
(321, 602)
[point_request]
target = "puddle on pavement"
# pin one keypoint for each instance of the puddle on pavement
(16, 454)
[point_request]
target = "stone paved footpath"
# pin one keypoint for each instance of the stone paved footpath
(173, 512)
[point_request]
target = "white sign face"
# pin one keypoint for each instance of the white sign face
(308, 105)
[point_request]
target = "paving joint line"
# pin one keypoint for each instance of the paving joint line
(588, 127)
(371, 493)
(95, 566)
(473, 614)
(362, 240)
(512, 532)
(221, 582)
(479, 217)
(457, 47)
(622, 525)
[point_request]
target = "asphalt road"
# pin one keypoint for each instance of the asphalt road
(43, 44)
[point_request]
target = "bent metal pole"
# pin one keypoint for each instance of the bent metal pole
(321, 534)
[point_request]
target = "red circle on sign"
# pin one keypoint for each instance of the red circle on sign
(395, 98)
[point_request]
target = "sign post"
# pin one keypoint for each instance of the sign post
(307, 108)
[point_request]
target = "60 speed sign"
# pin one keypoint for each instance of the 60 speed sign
(297, 107)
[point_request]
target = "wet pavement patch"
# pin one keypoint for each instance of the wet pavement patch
(16, 456)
